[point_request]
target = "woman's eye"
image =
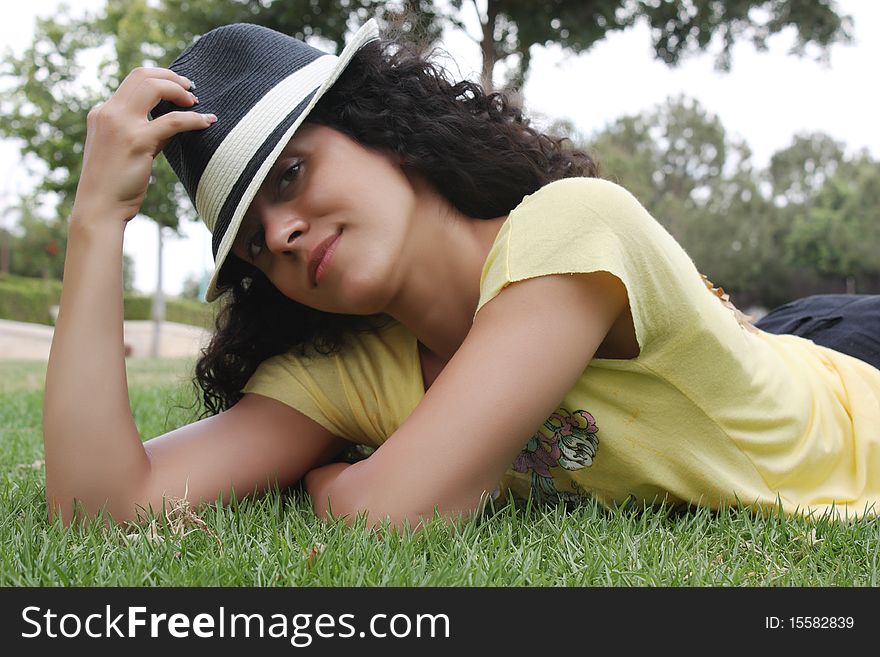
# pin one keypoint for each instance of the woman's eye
(255, 244)
(289, 176)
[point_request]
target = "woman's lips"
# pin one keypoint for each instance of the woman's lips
(321, 256)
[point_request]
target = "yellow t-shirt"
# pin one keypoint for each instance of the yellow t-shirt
(708, 413)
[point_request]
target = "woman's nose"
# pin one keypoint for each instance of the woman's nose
(283, 230)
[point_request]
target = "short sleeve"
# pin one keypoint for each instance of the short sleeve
(362, 393)
(309, 384)
(584, 225)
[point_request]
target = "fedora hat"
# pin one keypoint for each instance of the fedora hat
(261, 84)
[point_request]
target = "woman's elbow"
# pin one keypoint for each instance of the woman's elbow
(73, 502)
(70, 510)
(343, 504)
(399, 513)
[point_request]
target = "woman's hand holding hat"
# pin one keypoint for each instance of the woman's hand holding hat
(93, 449)
(121, 142)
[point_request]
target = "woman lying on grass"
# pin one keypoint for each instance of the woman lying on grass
(405, 264)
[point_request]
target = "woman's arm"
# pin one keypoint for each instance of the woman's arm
(86, 394)
(525, 351)
(318, 483)
(92, 446)
(93, 451)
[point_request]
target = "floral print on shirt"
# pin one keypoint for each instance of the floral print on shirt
(567, 440)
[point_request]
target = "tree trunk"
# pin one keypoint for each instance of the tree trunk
(158, 313)
(6, 236)
(487, 45)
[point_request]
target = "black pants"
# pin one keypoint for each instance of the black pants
(848, 323)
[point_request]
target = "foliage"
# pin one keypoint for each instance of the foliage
(39, 250)
(51, 287)
(181, 311)
(797, 173)
(47, 103)
(673, 153)
(678, 29)
(190, 311)
(194, 285)
(767, 236)
(509, 28)
(311, 20)
(828, 202)
(38, 247)
(839, 232)
(52, 89)
(136, 306)
(28, 299)
(678, 160)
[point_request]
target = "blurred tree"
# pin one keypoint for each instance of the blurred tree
(742, 235)
(509, 28)
(682, 28)
(328, 20)
(672, 154)
(38, 248)
(678, 161)
(51, 94)
(192, 286)
(127, 273)
(139, 36)
(824, 198)
(809, 223)
(5, 246)
(45, 105)
(798, 172)
(838, 234)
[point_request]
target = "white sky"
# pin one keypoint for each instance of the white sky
(765, 99)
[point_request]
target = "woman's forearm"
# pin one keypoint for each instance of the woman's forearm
(318, 483)
(92, 448)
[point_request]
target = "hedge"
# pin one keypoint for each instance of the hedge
(135, 306)
(24, 305)
(190, 311)
(182, 311)
(29, 300)
(24, 283)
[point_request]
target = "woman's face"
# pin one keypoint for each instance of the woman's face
(329, 223)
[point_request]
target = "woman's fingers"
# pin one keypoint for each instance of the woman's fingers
(172, 123)
(147, 94)
(121, 142)
(138, 75)
(145, 88)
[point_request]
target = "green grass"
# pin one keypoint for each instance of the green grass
(265, 541)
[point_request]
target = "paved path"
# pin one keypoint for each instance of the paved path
(22, 341)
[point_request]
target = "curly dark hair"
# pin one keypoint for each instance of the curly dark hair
(476, 149)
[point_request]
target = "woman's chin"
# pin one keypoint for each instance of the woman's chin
(364, 295)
